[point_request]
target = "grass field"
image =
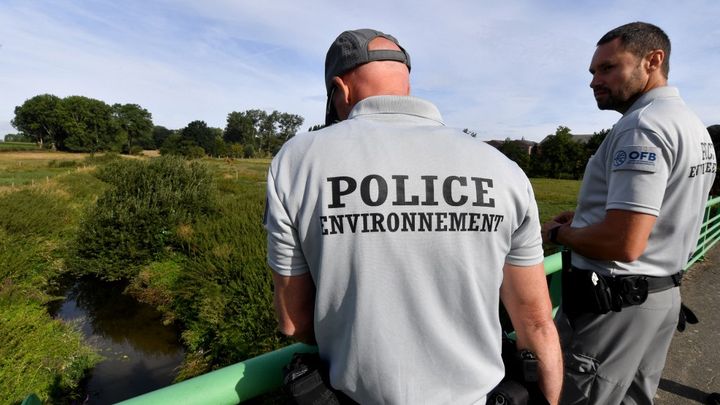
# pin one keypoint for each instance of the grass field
(19, 168)
(554, 196)
(8, 146)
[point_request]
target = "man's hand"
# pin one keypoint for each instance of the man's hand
(563, 219)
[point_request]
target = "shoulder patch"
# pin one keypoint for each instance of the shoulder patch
(642, 158)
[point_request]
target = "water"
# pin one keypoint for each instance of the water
(141, 354)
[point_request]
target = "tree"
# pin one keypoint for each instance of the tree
(588, 150)
(517, 152)
(260, 130)
(559, 155)
(173, 145)
(18, 138)
(594, 143)
(136, 124)
(195, 140)
(159, 134)
(243, 127)
(89, 126)
(40, 118)
(198, 133)
(286, 126)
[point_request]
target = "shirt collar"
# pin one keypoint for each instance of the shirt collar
(650, 96)
(397, 105)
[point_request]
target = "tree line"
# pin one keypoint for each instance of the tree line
(559, 155)
(83, 124)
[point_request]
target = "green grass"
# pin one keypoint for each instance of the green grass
(554, 196)
(19, 168)
(15, 146)
(38, 354)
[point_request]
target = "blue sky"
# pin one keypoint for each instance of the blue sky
(500, 68)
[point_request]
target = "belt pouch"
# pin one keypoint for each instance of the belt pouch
(633, 290)
(585, 291)
(600, 293)
(573, 295)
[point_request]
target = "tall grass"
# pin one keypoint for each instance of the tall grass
(37, 354)
(224, 294)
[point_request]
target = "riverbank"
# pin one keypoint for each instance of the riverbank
(41, 206)
(140, 354)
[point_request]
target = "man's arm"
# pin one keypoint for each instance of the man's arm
(525, 296)
(621, 236)
(294, 300)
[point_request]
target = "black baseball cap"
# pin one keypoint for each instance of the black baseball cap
(350, 50)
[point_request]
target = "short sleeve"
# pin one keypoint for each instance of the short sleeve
(284, 252)
(526, 245)
(639, 170)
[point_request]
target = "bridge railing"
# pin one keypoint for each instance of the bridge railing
(259, 375)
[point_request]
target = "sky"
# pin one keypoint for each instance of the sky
(503, 69)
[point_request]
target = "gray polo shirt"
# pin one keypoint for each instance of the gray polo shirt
(405, 225)
(658, 160)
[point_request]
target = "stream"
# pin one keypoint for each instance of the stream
(141, 354)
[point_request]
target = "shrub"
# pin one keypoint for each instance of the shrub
(98, 159)
(63, 163)
(135, 220)
(195, 152)
(235, 150)
(249, 151)
(136, 150)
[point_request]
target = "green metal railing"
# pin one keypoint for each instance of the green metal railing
(259, 375)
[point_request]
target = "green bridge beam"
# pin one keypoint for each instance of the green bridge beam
(229, 385)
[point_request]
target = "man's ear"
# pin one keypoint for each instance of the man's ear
(342, 99)
(342, 90)
(655, 59)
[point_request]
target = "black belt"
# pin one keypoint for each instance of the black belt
(657, 284)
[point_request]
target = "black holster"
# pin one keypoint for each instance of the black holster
(519, 387)
(306, 381)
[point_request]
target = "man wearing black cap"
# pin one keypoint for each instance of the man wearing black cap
(392, 239)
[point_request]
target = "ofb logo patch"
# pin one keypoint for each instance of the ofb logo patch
(619, 159)
(636, 157)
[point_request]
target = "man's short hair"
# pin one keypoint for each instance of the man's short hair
(639, 38)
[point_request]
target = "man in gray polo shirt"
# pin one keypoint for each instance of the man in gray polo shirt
(392, 239)
(636, 224)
